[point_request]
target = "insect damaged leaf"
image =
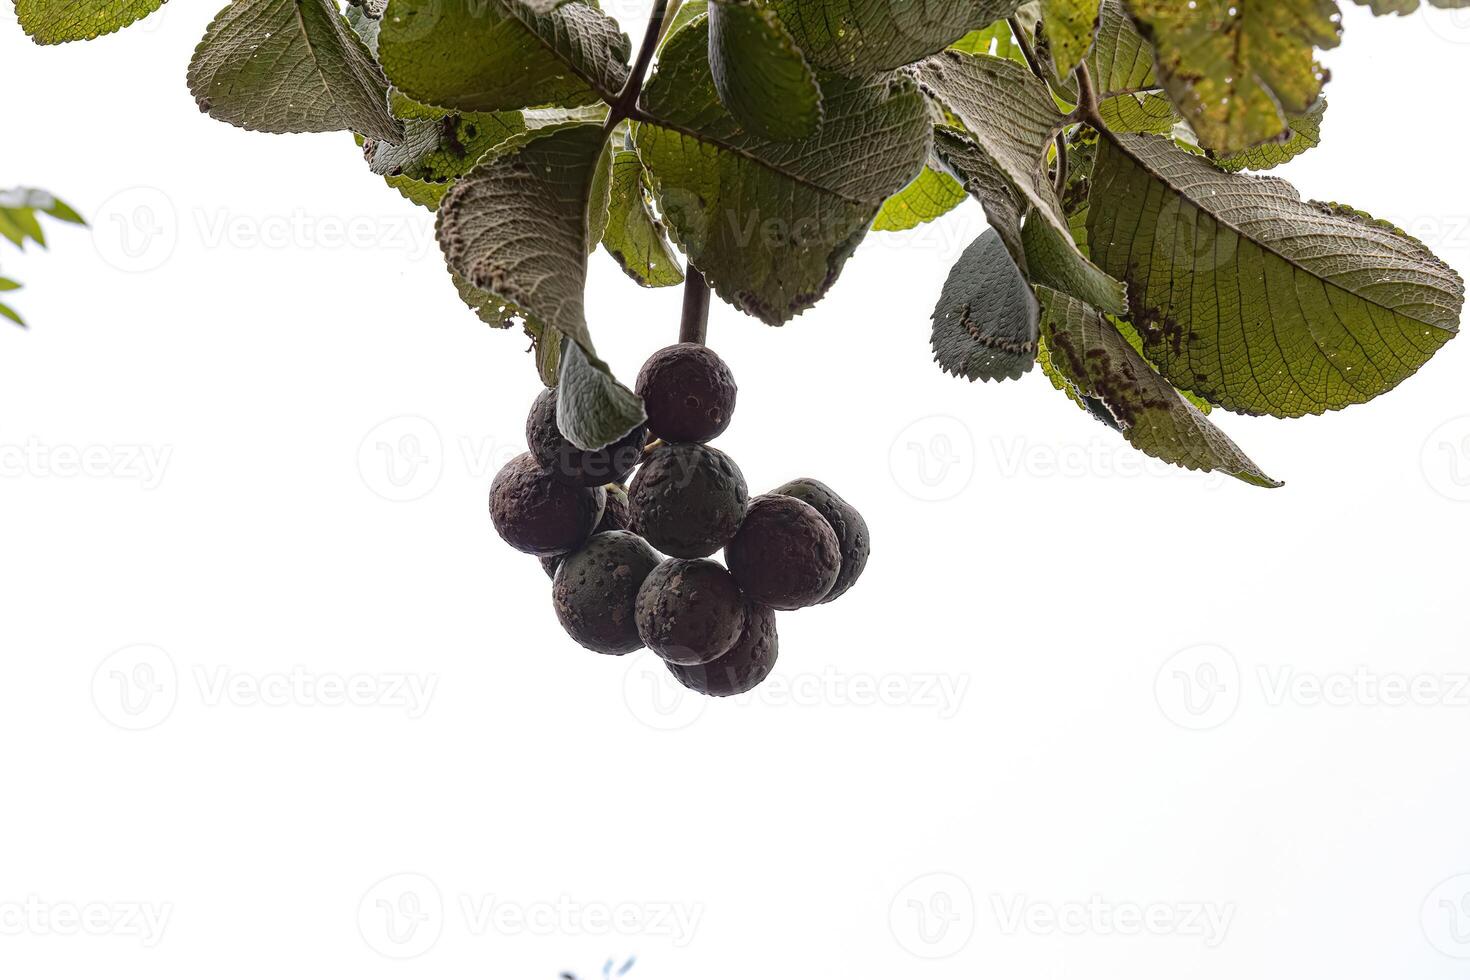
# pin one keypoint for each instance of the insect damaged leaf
(1256, 300)
(1108, 375)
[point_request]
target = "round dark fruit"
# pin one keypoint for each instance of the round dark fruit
(745, 667)
(536, 514)
(616, 516)
(596, 592)
(688, 500)
(786, 555)
(690, 612)
(574, 466)
(852, 530)
(689, 393)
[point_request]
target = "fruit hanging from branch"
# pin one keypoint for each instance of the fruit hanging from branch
(746, 148)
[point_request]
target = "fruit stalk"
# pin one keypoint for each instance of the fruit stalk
(694, 326)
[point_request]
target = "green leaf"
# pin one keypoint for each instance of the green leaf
(11, 315)
(760, 74)
(985, 326)
(8, 285)
(1139, 113)
(420, 192)
(1306, 134)
(1070, 25)
(1409, 6)
(517, 228)
(1093, 357)
(1258, 301)
(495, 55)
(859, 38)
(996, 40)
(634, 237)
(1120, 60)
(1011, 122)
(439, 146)
(24, 220)
(290, 66)
(1239, 70)
(592, 408)
(59, 21)
(771, 224)
(931, 196)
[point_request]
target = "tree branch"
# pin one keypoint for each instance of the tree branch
(627, 99)
(694, 326)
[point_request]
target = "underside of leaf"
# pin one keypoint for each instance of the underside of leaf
(1256, 300)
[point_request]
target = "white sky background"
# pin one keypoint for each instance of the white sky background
(1025, 629)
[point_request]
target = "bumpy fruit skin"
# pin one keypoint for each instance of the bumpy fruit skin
(689, 393)
(574, 466)
(539, 516)
(786, 555)
(852, 530)
(745, 667)
(690, 612)
(688, 500)
(596, 592)
(617, 516)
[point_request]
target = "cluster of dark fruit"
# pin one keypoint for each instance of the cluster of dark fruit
(604, 544)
